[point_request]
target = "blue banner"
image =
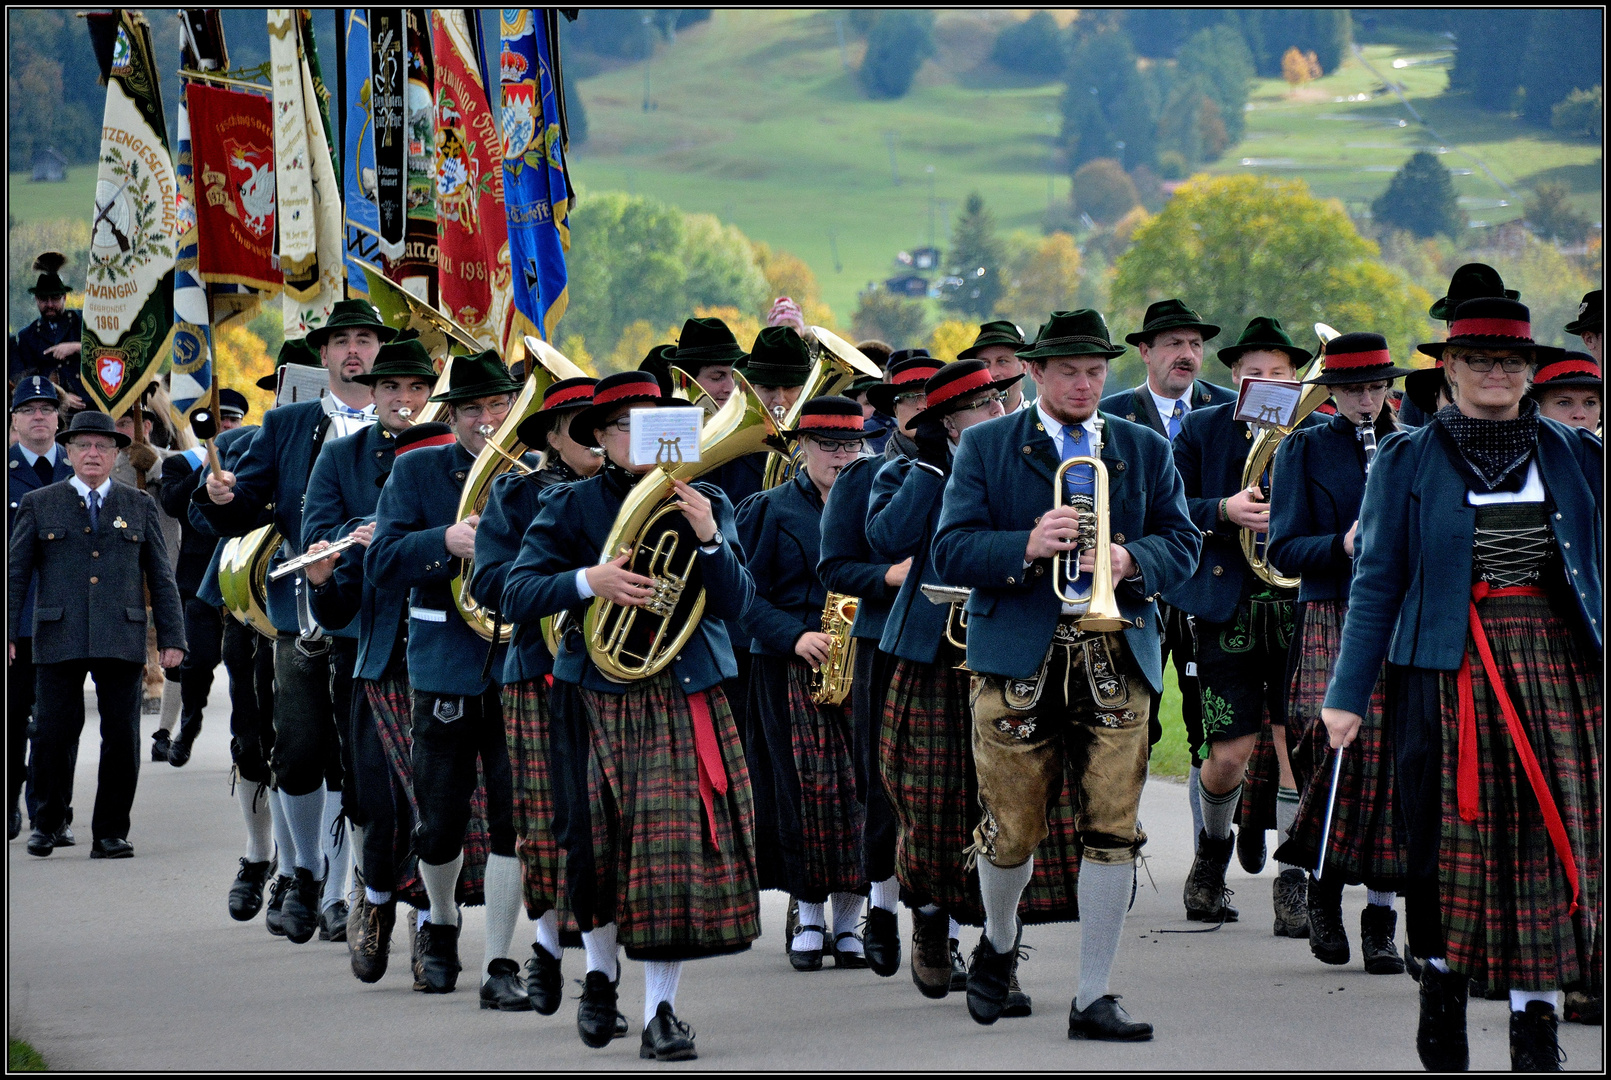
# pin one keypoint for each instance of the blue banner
(191, 379)
(536, 188)
(362, 233)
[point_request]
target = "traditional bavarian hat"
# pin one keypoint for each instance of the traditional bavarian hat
(1357, 358)
(1569, 371)
(1266, 334)
(478, 376)
(1073, 333)
(658, 363)
(90, 422)
(831, 417)
(778, 358)
(908, 370)
(561, 396)
(49, 264)
(1421, 387)
(1590, 314)
(1169, 315)
(1488, 323)
(1471, 281)
(998, 332)
(954, 384)
(403, 358)
(705, 341)
(351, 315)
(637, 388)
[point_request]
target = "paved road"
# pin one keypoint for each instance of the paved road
(136, 965)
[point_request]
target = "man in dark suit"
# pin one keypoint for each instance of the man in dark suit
(274, 473)
(1047, 691)
(98, 550)
(33, 461)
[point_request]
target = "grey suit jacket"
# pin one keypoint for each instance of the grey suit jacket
(91, 600)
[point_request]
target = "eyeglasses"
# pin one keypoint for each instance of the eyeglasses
(1361, 389)
(1484, 364)
(622, 426)
(911, 396)
(984, 402)
(476, 412)
(837, 446)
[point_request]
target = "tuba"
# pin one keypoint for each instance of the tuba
(501, 454)
(836, 365)
(243, 570)
(1259, 458)
(630, 643)
(830, 684)
(1098, 606)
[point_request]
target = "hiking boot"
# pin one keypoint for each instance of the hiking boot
(1378, 925)
(1290, 899)
(959, 967)
(1440, 1037)
(369, 936)
(931, 953)
(1206, 897)
(1584, 1008)
(1018, 1003)
(1328, 938)
(1533, 1044)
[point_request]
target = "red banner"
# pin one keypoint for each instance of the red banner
(473, 269)
(232, 143)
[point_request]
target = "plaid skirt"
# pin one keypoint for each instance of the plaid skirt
(1504, 890)
(392, 703)
(925, 755)
(672, 893)
(1362, 848)
(542, 863)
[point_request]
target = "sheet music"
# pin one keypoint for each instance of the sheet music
(1268, 402)
(668, 436)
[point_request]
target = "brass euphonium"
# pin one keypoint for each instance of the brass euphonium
(836, 364)
(1098, 606)
(631, 643)
(1261, 455)
(243, 570)
(830, 684)
(501, 454)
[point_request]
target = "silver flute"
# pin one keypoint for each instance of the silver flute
(308, 558)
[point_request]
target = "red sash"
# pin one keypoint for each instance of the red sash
(1466, 768)
(713, 773)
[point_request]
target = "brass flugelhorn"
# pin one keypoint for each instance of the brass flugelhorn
(956, 619)
(1098, 606)
(1260, 457)
(830, 683)
(836, 364)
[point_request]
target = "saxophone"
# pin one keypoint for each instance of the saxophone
(830, 683)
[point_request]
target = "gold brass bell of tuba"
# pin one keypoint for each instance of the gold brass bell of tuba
(631, 643)
(1098, 606)
(1261, 455)
(830, 684)
(500, 455)
(243, 568)
(836, 364)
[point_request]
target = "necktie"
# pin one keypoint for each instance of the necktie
(1174, 420)
(94, 504)
(45, 469)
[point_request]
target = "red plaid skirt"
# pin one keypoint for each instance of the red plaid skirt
(1505, 893)
(831, 818)
(926, 758)
(1362, 848)
(673, 894)
(392, 703)
(542, 863)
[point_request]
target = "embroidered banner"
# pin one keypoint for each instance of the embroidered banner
(232, 140)
(309, 211)
(415, 268)
(358, 160)
(386, 78)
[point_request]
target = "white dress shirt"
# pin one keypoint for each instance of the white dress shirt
(84, 489)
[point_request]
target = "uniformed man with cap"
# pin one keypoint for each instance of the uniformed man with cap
(1590, 322)
(49, 346)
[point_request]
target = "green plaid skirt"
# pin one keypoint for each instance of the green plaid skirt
(925, 755)
(1362, 848)
(1504, 890)
(542, 863)
(672, 893)
(392, 703)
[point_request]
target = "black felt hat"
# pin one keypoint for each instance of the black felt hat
(954, 384)
(1264, 333)
(778, 358)
(1487, 323)
(1471, 281)
(1357, 358)
(478, 376)
(1421, 387)
(1590, 314)
(1170, 315)
(705, 341)
(998, 332)
(49, 264)
(1569, 371)
(404, 357)
(909, 370)
(351, 315)
(831, 417)
(91, 422)
(1073, 333)
(637, 388)
(658, 363)
(565, 394)
(292, 351)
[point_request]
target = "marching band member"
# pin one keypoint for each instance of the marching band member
(1243, 632)
(820, 817)
(1318, 482)
(1590, 323)
(1494, 706)
(1569, 389)
(457, 717)
(274, 472)
(652, 800)
(901, 395)
(996, 344)
(1424, 389)
(1046, 693)
(511, 507)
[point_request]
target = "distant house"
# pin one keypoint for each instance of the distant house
(49, 166)
(908, 285)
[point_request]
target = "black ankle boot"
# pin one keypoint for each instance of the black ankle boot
(1440, 1039)
(1328, 938)
(1378, 926)
(1533, 1045)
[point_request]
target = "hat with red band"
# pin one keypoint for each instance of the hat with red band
(563, 395)
(956, 384)
(1488, 322)
(423, 435)
(908, 370)
(1571, 371)
(1357, 358)
(831, 417)
(637, 388)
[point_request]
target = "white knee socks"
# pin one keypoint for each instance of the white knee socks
(1380, 898)
(503, 907)
(170, 706)
(1001, 888)
(600, 945)
(335, 851)
(548, 933)
(810, 915)
(659, 984)
(1104, 891)
(254, 800)
(1520, 998)
(846, 910)
(886, 894)
(283, 840)
(304, 816)
(441, 881)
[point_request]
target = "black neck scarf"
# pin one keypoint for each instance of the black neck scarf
(1491, 455)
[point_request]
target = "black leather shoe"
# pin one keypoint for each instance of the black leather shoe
(439, 960)
(959, 966)
(1206, 897)
(848, 957)
(597, 1019)
(988, 977)
(160, 745)
(1250, 849)
(1534, 1043)
(504, 989)
(369, 937)
(666, 1038)
(299, 915)
(179, 749)
(246, 895)
(278, 891)
(881, 937)
(112, 847)
(1440, 1036)
(16, 823)
(1018, 1002)
(333, 921)
(807, 959)
(545, 983)
(64, 837)
(41, 842)
(1105, 1021)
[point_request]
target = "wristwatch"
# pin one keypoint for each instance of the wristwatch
(715, 542)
